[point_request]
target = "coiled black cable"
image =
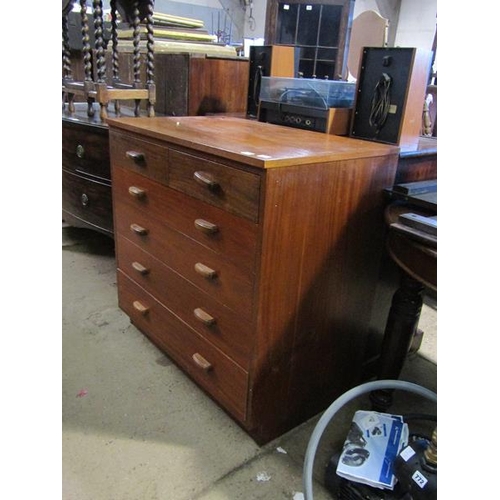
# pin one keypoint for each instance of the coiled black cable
(381, 102)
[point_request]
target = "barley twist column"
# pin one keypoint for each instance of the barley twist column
(150, 67)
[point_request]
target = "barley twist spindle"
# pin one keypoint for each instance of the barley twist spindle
(137, 53)
(99, 41)
(150, 67)
(87, 56)
(114, 40)
(66, 54)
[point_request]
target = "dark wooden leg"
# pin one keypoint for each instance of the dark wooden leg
(400, 328)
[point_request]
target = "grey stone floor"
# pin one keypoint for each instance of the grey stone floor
(134, 427)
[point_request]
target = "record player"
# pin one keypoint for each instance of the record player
(307, 103)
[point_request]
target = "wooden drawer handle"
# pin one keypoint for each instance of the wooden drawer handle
(205, 271)
(205, 226)
(206, 179)
(140, 268)
(135, 156)
(204, 317)
(141, 308)
(202, 362)
(137, 192)
(142, 231)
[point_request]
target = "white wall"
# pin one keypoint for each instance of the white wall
(417, 24)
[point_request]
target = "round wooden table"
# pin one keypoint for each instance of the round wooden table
(417, 260)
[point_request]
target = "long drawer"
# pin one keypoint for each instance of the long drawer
(87, 200)
(207, 365)
(231, 284)
(233, 237)
(217, 323)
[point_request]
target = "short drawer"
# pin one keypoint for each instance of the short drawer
(223, 379)
(235, 238)
(229, 188)
(86, 149)
(147, 158)
(230, 284)
(217, 323)
(87, 200)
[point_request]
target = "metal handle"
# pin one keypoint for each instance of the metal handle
(141, 308)
(205, 271)
(142, 231)
(206, 179)
(205, 226)
(202, 362)
(85, 200)
(137, 192)
(204, 317)
(135, 156)
(140, 268)
(80, 151)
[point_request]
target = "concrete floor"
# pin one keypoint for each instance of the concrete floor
(134, 427)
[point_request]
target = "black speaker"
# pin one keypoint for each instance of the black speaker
(390, 94)
(269, 60)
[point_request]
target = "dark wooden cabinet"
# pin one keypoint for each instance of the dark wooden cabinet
(86, 176)
(320, 29)
(249, 253)
(190, 84)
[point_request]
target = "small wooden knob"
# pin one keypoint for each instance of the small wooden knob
(205, 271)
(205, 226)
(138, 306)
(137, 192)
(135, 156)
(137, 266)
(206, 179)
(201, 362)
(142, 231)
(204, 317)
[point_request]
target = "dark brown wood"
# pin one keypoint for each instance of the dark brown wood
(86, 203)
(401, 328)
(305, 301)
(418, 164)
(193, 84)
(417, 263)
(86, 176)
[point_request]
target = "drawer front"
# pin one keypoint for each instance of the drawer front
(233, 190)
(228, 283)
(146, 158)
(86, 149)
(87, 200)
(207, 365)
(233, 237)
(217, 323)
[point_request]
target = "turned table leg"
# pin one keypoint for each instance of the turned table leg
(400, 328)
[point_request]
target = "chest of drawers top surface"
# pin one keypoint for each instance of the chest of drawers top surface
(253, 143)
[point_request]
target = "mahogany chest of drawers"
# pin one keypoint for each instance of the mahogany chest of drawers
(249, 253)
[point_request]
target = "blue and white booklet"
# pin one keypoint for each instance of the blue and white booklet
(373, 442)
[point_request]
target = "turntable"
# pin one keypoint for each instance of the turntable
(307, 103)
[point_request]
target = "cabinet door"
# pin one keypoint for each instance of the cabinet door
(320, 29)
